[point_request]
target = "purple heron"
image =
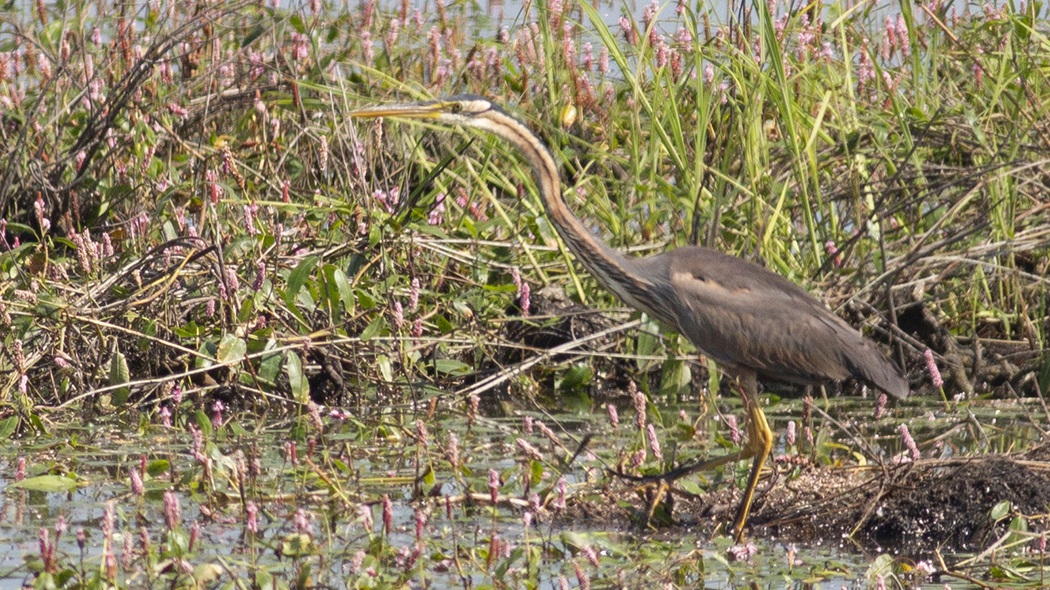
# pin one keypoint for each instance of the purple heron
(752, 322)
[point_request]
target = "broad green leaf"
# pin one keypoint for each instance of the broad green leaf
(269, 368)
(298, 277)
(296, 380)
(118, 375)
(46, 483)
(231, 349)
(451, 367)
(346, 294)
(8, 426)
(203, 422)
(157, 467)
(1000, 510)
(376, 327)
(385, 369)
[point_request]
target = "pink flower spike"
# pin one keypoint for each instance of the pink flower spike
(931, 368)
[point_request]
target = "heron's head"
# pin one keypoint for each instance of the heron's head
(468, 110)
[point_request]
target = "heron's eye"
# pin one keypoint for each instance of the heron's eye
(455, 107)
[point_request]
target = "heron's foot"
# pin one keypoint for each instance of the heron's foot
(660, 500)
(759, 446)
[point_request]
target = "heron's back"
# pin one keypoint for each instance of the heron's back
(745, 316)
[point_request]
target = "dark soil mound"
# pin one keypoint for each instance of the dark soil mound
(911, 508)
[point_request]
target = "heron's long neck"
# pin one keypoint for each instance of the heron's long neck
(612, 269)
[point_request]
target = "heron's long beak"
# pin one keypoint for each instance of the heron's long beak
(417, 110)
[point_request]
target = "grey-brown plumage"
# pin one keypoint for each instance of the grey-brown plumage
(748, 319)
(742, 315)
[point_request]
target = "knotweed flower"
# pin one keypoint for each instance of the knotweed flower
(931, 368)
(422, 437)
(137, 487)
(614, 416)
(880, 406)
(260, 275)
(494, 485)
(195, 533)
(364, 512)
(743, 552)
(833, 252)
(302, 521)
(529, 449)
(214, 189)
(315, 415)
(216, 414)
(388, 514)
(525, 303)
(924, 569)
(734, 430)
(249, 219)
(582, 577)
(547, 432)
(421, 521)
(172, 512)
(413, 295)
(251, 513)
(790, 436)
(638, 398)
(452, 451)
(473, 404)
(654, 444)
(590, 554)
(909, 443)
(638, 458)
(562, 488)
(437, 213)
(47, 551)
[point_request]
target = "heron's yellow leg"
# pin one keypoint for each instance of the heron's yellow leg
(759, 446)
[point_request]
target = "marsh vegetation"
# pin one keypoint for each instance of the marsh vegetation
(247, 342)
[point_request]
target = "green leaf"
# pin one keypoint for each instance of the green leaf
(119, 374)
(297, 545)
(365, 299)
(1000, 510)
(385, 368)
(536, 472)
(298, 277)
(46, 483)
(296, 380)
(203, 422)
(346, 294)
(157, 467)
(377, 327)
(576, 378)
(648, 343)
(206, 572)
(269, 368)
(231, 349)
(443, 325)
(676, 378)
(8, 426)
(451, 367)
